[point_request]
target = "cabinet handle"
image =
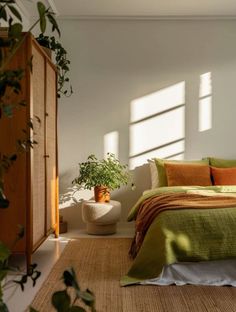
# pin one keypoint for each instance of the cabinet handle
(46, 156)
(46, 114)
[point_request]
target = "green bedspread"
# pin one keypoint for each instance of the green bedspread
(184, 235)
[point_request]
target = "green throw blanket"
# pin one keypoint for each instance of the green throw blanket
(184, 235)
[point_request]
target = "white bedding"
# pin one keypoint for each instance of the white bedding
(211, 273)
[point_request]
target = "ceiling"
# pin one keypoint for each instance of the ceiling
(138, 8)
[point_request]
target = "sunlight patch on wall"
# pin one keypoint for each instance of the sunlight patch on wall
(205, 88)
(171, 151)
(205, 114)
(111, 143)
(157, 126)
(205, 103)
(180, 156)
(157, 102)
(154, 132)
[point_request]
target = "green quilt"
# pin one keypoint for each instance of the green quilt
(184, 235)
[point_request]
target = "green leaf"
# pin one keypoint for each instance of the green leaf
(3, 307)
(42, 12)
(86, 296)
(32, 310)
(43, 24)
(54, 23)
(15, 30)
(108, 172)
(15, 12)
(3, 13)
(4, 252)
(3, 274)
(61, 301)
(41, 8)
(68, 278)
(91, 302)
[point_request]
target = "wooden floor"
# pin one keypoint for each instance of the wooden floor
(100, 262)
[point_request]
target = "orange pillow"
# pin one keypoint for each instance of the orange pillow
(224, 176)
(187, 174)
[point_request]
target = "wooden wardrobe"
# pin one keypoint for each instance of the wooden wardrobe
(31, 184)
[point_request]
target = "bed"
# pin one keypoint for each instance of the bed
(197, 236)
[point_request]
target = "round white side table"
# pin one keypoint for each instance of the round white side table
(101, 218)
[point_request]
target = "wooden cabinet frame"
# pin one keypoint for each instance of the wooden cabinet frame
(25, 213)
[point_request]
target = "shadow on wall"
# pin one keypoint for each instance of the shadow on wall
(70, 200)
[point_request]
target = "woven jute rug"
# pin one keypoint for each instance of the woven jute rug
(100, 263)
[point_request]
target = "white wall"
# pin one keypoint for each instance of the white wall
(115, 62)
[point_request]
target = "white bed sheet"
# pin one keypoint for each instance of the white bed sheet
(211, 273)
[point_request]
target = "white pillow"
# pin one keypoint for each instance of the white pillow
(154, 173)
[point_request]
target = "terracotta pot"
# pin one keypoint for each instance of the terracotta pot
(101, 194)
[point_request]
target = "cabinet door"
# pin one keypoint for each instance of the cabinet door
(15, 180)
(51, 147)
(38, 152)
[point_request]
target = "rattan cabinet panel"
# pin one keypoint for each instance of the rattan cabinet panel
(31, 184)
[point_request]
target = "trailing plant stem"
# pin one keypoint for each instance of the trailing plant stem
(18, 45)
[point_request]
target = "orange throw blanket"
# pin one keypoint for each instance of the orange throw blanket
(151, 207)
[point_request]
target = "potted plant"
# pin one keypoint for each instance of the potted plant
(102, 175)
(62, 62)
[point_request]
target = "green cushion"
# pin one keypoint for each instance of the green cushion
(222, 163)
(160, 163)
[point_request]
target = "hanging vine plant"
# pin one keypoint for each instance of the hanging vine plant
(62, 63)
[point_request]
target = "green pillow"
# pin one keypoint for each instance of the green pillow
(222, 163)
(160, 163)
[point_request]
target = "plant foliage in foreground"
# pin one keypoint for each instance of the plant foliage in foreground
(10, 84)
(65, 301)
(33, 274)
